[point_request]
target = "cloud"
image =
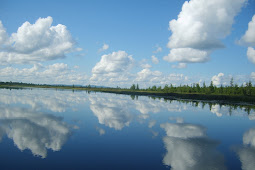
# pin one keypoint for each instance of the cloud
(154, 59)
(3, 36)
(222, 79)
(146, 78)
(199, 29)
(180, 65)
(36, 42)
(249, 37)
(103, 48)
(218, 79)
(189, 148)
(159, 49)
(145, 66)
(112, 67)
(187, 55)
(148, 75)
(251, 54)
(32, 130)
(58, 73)
(253, 75)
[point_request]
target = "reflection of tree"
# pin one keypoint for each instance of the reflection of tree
(247, 152)
(189, 148)
(32, 130)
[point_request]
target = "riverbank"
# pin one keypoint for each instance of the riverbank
(189, 96)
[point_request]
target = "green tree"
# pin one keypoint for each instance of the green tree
(211, 87)
(198, 88)
(137, 87)
(159, 88)
(232, 82)
(165, 88)
(132, 87)
(154, 88)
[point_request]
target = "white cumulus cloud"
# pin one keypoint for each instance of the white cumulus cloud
(147, 77)
(249, 37)
(36, 42)
(217, 79)
(58, 73)
(199, 29)
(187, 55)
(251, 54)
(112, 67)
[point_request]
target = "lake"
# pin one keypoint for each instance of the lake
(64, 129)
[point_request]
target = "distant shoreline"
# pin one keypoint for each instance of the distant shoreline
(224, 99)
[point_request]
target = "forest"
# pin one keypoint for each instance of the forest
(247, 89)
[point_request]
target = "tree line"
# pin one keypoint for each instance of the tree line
(246, 89)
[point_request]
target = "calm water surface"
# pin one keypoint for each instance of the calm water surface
(49, 129)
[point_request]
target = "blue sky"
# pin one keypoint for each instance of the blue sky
(133, 31)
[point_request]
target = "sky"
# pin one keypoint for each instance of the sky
(118, 43)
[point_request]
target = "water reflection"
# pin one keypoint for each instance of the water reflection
(55, 101)
(189, 148)
(111, 112)
(33, 130)
(101, 131)
(23, 120)
(152, 123)
(117, 111)
(247, 152)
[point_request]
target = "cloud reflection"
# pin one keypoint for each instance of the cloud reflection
(246, 153)
(111, 112)
(33, 130)
(117, 111)
(189, 148)
(55, 101)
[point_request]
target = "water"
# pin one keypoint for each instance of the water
(52, 129)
